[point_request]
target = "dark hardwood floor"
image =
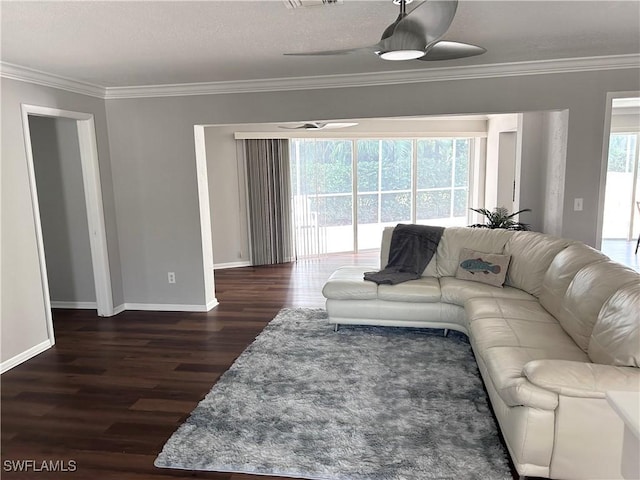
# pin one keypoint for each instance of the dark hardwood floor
(112, 390)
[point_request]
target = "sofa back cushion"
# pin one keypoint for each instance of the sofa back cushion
(454, 239)
(561, 272)
(588, 291)
(387, 233)
(531, 254)
(615, 339)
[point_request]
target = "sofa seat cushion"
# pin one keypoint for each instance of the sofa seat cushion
(458, 291)
(509, 332)
(515, 308)
(422, 290)
(347, 283)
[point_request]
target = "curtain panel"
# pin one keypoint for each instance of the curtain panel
(269, 200)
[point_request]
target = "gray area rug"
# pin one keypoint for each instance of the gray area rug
(363, 403)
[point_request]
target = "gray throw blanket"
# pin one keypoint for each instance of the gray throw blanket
(411, 249)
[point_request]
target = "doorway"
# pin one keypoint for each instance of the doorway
(621, 172)
(82, 125)
(63, 212)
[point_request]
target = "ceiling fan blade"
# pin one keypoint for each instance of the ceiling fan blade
(433, 17)
(446, 50)
(330, 52)
(306, 126)
(319, 125)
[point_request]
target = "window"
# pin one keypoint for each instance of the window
(346, 191)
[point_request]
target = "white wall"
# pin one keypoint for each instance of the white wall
(63, 211)
(22, 315)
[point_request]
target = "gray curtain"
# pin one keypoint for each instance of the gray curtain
(269, 196)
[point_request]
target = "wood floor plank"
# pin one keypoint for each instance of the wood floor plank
(112, 390)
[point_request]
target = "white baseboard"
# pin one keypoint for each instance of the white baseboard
(221, 266)
(77, 305)
(119, 309)
(167, 307)
(24, 356)
(160, 307)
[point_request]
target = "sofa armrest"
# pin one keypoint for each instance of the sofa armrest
(581, 379)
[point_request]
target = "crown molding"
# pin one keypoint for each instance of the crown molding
(538, 67)
(30, 75)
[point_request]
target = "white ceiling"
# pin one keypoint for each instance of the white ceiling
(125, 43)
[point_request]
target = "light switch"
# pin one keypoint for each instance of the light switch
(577, 204)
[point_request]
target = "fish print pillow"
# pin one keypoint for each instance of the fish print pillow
(489, 268)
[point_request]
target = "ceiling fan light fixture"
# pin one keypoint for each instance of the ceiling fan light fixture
(398, 55)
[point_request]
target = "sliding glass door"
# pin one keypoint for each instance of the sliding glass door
(443, 181)
(346, 191)
(322, 196)
(384, 182)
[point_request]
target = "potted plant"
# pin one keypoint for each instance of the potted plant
(501, 218)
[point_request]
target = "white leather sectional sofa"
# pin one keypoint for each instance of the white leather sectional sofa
(563, 330)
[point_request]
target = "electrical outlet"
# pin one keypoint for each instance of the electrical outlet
(172, 277)
(577, 204)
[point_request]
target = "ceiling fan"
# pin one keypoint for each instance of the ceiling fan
(319, 125)
(416, 35)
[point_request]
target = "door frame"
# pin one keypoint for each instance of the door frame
(605, 159)
(93, 201)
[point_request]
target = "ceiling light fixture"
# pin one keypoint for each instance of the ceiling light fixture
(396, 55)
(415, 35)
